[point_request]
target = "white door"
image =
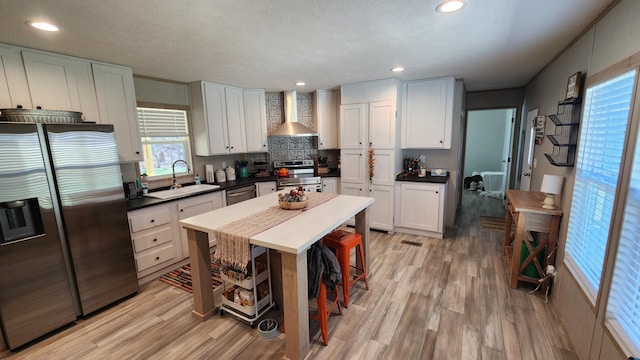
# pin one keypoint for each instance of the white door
(506, 150)
(381, 211)
(330, 185)
(420, 206)
(116, 98)
(352, 168)
(216, 119)
(527, 155)
(352, 120)
(353, 189)
(255, 118)
(383, 166)
(14, 89)
(382, 125)
(234, 99)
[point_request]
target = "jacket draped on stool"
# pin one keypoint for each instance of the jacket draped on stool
(322, 261)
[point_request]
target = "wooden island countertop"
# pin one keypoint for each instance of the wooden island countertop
(291, 238)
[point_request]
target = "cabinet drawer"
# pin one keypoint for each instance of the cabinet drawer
(149, 219)
(152, 238)
(155, 257)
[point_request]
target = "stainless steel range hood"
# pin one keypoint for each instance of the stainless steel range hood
(291, 126)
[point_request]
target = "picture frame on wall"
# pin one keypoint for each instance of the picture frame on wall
(573, 86)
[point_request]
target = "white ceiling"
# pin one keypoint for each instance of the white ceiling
(271, 44)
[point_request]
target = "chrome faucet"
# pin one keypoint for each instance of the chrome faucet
(173, 169)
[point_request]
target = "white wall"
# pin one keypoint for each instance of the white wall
(485, 140)
(612, 39)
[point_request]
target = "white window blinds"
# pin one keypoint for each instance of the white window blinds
(162, 122)
(624, 298)
(602, 134)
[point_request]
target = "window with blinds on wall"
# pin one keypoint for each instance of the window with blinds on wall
(602, 137)
(165, 139)
(623, 309)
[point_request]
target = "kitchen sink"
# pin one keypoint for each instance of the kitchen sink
(187, 190)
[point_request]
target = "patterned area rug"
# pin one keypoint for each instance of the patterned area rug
(492, 223)
(181, 277)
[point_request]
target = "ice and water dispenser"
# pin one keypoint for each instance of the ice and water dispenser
(20, 219)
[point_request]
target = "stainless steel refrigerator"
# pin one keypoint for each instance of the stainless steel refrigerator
(65, 249)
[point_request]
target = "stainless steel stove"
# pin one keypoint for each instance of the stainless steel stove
(301, 173)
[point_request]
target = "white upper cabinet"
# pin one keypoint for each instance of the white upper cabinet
(236, 132)
(327, 103)
(117, 105)
(427, 114)
(58, 82)
(218, 119)
(14, 89)
(382, 125)
(352, 126)
(255, 117)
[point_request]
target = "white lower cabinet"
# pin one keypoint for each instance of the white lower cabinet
(420, 208)
(354, 189)
(156, 243)
(265, 187)
(331, 185)
(159, 243)
(381, 211)
(195, 206)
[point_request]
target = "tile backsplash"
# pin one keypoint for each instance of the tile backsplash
(291, 148)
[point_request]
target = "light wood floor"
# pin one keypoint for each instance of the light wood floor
(444, 299)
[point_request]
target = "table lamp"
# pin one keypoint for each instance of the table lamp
(551, 185)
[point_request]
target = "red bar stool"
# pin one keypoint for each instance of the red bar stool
(323, 311)
(343, 241)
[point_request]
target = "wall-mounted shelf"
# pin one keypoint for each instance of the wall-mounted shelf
(565, 138)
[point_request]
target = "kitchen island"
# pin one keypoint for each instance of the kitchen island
(292, 238)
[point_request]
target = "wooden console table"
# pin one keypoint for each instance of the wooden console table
(525, 211)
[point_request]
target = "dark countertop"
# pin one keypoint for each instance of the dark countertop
(331, 173)
(143, 202)
(426, 179)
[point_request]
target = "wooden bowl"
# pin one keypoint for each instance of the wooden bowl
(293, 205)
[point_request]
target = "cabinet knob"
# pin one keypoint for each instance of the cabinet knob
(154, 240)
(370, 143)
(181, 210)
(232, 147)
(153, 220)
(436, 192)
(226, 147)
(137, 152)
(157, 258)
(360, 143)
(440, 141)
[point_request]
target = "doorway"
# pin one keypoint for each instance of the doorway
(488, 142)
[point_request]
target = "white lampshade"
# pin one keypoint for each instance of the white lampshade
(551, 185)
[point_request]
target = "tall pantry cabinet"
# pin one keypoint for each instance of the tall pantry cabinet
(369, 129)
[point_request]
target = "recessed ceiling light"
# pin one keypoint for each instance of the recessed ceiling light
(41, 25)
(301, 83)
(450, 6)
(397, 69)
